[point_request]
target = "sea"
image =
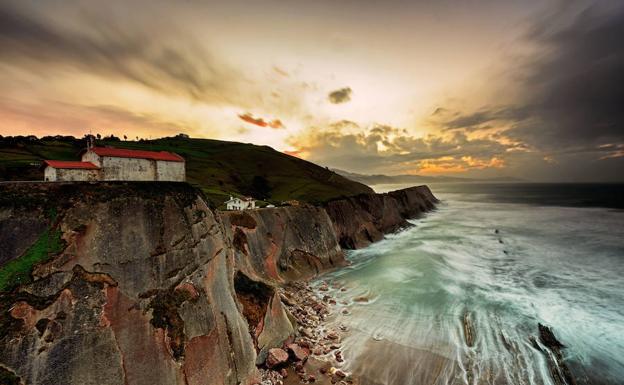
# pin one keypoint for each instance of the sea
(457, 297)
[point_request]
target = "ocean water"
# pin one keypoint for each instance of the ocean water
(501, 264)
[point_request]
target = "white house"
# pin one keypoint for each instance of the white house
(108, 163)
(244, 203)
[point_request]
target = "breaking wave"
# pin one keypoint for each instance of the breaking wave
(457, 298)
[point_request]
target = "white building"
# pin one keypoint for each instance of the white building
(108, 163)
(244, 203)
(70, 171)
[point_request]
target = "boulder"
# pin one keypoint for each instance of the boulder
(276, 357)
(298, 353)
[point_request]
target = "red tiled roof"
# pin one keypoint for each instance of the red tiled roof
(70, 164)
(141, 154)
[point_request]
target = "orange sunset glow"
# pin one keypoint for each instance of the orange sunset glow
(393, 88)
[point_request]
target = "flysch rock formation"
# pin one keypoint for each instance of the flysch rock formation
(363, 219)
(151, 286)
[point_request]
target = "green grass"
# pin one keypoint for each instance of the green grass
(18, 271)
(219, 168)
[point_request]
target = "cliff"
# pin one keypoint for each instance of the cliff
(360, 220)
(141, 283)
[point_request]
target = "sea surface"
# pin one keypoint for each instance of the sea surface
(501, 258)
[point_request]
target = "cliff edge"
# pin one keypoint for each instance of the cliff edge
(142, 283)
(362, 219)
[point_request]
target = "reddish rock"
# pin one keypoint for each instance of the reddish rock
(299, 353)
(276, 357)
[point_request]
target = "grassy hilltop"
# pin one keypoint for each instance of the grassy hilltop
(219, 168)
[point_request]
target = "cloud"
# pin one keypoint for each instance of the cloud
(342, 95)
(52, 118)
(383, 148)
(481, 119)
(569, 109)
(296, 154)
(249, 118)
(115, 50)
(574, 92)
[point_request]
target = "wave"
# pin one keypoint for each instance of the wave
(457, 299)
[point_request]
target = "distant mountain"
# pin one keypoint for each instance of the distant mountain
(415, 179)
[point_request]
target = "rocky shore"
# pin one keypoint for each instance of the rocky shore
(314, 354)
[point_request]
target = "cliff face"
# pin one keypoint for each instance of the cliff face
(283, 243)
(141, 292)
(141, 283)
(365, 218)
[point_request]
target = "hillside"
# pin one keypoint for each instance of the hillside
(219, 168)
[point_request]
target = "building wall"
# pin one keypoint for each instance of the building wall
(49, 174)
(92, 157)
(170, 171)
(239, 204)
(114, 168)
(70, 174)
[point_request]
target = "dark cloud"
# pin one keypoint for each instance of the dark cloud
(249, 118)
(570, 109)
(575, 91)
(483, 118)
(108, 48)
(342, 95)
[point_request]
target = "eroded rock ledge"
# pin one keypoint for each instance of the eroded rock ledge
(147, 285)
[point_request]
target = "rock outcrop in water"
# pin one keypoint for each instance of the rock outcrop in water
(559, 371)
(141, 283)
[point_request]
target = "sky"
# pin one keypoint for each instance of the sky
(477, 88)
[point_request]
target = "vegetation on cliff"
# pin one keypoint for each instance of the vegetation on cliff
(219, 168)
(18, 271)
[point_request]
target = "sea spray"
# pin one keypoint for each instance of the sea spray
(457, 299)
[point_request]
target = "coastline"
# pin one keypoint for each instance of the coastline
(159, 290)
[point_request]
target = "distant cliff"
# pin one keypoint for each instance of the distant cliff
(365, 218)
(142, 283)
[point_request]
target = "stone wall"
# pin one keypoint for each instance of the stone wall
(49, 174)
(135, 169)
(70, 174)
(90, 156)
(114, 168)
(170, 171)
